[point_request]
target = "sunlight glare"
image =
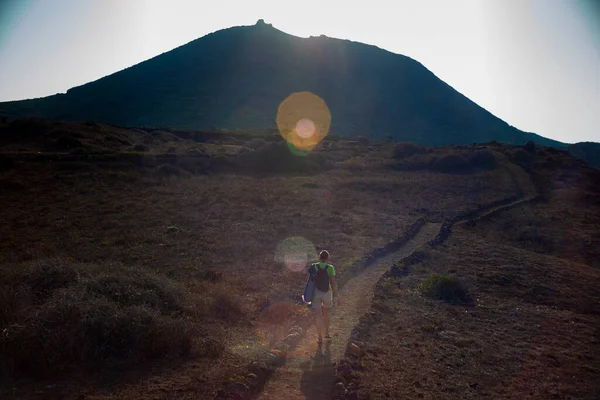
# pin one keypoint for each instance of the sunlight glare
(303, 120)
(305, 128)
(275, 324)
(295, 252)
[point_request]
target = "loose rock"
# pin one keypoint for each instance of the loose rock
(354, 349)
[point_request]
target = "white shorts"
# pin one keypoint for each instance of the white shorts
(322, 299)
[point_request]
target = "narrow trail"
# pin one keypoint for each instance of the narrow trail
(491, 211)
(310, 374)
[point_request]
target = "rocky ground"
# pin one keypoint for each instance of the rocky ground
(219, 221)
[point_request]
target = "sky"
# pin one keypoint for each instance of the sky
(533, 63)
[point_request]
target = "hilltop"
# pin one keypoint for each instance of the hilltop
(235, 79)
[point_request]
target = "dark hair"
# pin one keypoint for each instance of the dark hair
(323, 255)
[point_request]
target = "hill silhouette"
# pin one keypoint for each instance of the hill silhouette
(587, 151)
(237, 77)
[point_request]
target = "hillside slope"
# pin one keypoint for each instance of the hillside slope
(587, 151)
(237, 77)
(505, 308)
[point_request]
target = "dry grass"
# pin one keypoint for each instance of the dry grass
(444, 287)
(532, 330)
(214, 234)
(57, 316)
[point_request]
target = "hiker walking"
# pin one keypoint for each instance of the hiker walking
(325, 290)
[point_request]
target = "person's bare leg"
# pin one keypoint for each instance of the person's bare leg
(326, 320)
(319, 323)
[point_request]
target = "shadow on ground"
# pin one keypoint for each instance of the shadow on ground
(318, 374)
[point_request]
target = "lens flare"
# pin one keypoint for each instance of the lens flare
(275, 328)
(295, 253)
(303, 120)
(296, 151)
(305, 128)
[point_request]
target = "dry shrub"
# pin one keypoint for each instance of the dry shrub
(74, 328)
(363, 141)
(140, 147)
(29, 127)
(170, 170)
(444, 287)
(277, 158)
(58, 132)
(415, 162)
(114, 140)
(43, 278)
(483, 159)
(57, 316)
(92, 124)
(225, 305)
(450, 163)
(523, 159)
(209, 275)
(530, 147)
(65, 142)
(405, 149)
(535, 238)
(255, 143)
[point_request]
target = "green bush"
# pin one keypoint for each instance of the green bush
(444, 287)
(57, 316)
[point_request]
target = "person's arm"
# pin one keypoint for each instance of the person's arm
(336, 293)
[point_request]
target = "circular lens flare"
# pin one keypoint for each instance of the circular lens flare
(296, 151)
(303, 120)
(305, 128)
(295, 252)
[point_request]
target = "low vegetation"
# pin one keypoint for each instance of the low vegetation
(451, 161)
(114, 257)
(57, 315)
(405, 149)
(523, 158)
(533, 307)
(444, 287)
(279, 158)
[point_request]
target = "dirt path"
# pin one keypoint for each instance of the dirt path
(491, 211)
(310, 374)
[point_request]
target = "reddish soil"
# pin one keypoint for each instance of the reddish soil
(217, 233)
(531, 330)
